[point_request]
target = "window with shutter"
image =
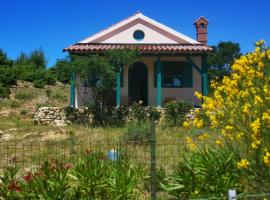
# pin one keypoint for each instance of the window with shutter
(174, 74)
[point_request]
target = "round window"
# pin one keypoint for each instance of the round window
(138, 35)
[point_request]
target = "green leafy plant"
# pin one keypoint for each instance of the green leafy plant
(15, 104)
(123, 180)
(88, 176)
(215, 168)
(23, 112)
(137, 132)
(23, 95)
(9, 185)
(4, 91)
(39, 83)
(117, 116)
(49, 182)
(48, 93)
(175, 112)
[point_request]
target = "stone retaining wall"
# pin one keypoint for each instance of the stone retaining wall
(62, 116)
(51, 116)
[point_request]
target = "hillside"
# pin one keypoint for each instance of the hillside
(17, 113)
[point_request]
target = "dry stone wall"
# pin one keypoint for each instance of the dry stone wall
(51, 116)
(62, 116)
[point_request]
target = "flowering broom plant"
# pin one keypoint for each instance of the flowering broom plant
(239, 108)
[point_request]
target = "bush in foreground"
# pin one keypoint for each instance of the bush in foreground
(91, 176)
(239, 111)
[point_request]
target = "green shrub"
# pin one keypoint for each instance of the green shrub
(79, 116)
(137, 132)
(175, 112)
(4, 91)
(90, 176)
(59, 95)
(28, 72)
(117, 116)
(48, 93)
(39, 83)
(7, 76)
(204, 172)
(23, 112)
(161, 179)
(46, 104)
(23, 95)
(25, 72)
(15, 104)
(139, 112)
(49, 77)
(123, 180)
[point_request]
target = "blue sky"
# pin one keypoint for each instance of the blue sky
(55, 24)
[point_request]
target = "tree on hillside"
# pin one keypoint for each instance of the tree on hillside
(37, 58)
(221, 59)
(4, 59)
(23, 59)
(62, 69)
(99, 72)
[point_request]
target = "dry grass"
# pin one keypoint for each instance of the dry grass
(32, 144)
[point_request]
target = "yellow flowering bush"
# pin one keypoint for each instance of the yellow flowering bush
(243, 164)
(266, 158)
(239, 108)
(191, 144)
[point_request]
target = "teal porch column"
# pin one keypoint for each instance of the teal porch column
(72, 89)
(204, 84)
(159, 97)
(204, 76)
(118, 87)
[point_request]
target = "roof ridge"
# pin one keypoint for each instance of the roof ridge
(157, 44)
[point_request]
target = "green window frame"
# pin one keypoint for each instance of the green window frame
(174, 74)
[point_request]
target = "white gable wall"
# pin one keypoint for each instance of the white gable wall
(128, 37)
(151, 36)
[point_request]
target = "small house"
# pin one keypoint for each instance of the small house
(171, 66)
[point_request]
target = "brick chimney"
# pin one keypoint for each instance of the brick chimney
(201, 29)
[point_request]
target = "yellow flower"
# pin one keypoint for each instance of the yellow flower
(255, 144)
(213, 120)
(204, 136)
(239, 135)
(243, 164)
(255, 126)
(228, 128)
(266, 158)
(198, 123)
(266, 117)
(246, 108)
(260, 42)
(190, 143)
(198, 95)
(185, 124)
(258, 100)
(218, 142)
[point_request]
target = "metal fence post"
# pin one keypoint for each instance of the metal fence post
(153, 160)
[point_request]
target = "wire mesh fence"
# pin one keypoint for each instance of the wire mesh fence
(29, 155)
(167, 154)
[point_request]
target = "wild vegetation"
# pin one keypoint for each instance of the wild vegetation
(226, 146)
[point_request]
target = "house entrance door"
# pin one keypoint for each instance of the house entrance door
(137, 82)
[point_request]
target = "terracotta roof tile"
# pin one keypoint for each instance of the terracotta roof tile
(143, 48)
